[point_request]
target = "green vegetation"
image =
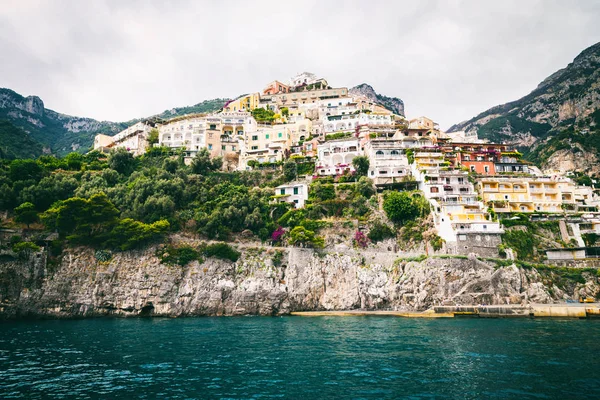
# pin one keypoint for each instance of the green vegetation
(222, 251)
(361, 164)
(262, 115)
(380, 231)
(401, 207)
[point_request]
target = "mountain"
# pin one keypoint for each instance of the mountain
(28, 129)
(392, 104)
(557, 123)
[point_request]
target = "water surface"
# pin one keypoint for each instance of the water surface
(296, 357)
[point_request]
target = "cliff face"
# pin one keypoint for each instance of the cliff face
(566, 100)
(392, 104)
(137, 284)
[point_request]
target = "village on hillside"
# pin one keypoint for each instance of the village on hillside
(467, 181)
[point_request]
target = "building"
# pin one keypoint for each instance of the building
(186, 132)
(528, 194)
(276, 87)
(335, 157)
(388, 162)
(266, 144)
(244, 103)
(296, 193)
(304, 78)
(349, 122)
(303, 97)
(134, 139)
(224, 131)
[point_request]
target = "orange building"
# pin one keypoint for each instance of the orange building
(276, 87)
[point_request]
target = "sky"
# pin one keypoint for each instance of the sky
(449, 60)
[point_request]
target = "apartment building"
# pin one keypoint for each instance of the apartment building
(224, 131)
(186, 133)
(265, 144)
(335, 156)
(349, 122)
(528, 194)
(388, 161)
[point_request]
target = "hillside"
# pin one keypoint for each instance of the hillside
(28, 129)
(392, 104)
(563, 102)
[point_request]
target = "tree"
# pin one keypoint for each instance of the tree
(361, 165)
(285, 111)
(290, 170)
(170, 165)
(22, 170)
(202, 163)
(74, 161)
(302, 236)
(122, 161)
(365, 187)
(152, 137)
(26, 214)
(399, 207)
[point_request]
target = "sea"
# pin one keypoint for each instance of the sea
(357, 357)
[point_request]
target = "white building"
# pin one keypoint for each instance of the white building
(187, 133)
(335, 156)
(304, 78)
(349, 122)
(134, 139)
(296, 193)
(388, 162)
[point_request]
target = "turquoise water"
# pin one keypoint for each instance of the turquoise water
(299, 358)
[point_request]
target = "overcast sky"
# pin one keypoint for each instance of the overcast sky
(449, 60)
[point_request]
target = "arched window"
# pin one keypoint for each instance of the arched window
(394, 152)
(379, 153)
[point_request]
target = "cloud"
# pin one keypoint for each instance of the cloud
(448, 60)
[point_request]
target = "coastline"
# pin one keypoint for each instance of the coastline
(577, 310)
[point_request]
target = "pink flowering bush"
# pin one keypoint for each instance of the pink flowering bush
(361, 240)
(277, 234)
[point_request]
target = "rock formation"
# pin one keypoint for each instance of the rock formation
(135, 283)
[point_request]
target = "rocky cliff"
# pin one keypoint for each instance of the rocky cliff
(566, 101)
(135, 283)
(392, 104)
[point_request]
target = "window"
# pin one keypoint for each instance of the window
(223, 147)
(486, 169)
(295, 190)
(232, 148)
(213, 126)
(434, 189)
(280, 134)
(254, 147)
(379, 153)
(255, 137)
(462, 237)
(210, 146)
(296, 201)
(267, 136)
(472, 168)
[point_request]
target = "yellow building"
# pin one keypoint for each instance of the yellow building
(527, 194)
(266, 144)
(244, 103)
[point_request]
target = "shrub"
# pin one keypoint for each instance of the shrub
(361, 165)
(277, 258)
(380, 231)
(103, 255)
(25, 249)
(360, 240)
(302, 236)
(181, 255)
(222, 250)
(277, 234)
